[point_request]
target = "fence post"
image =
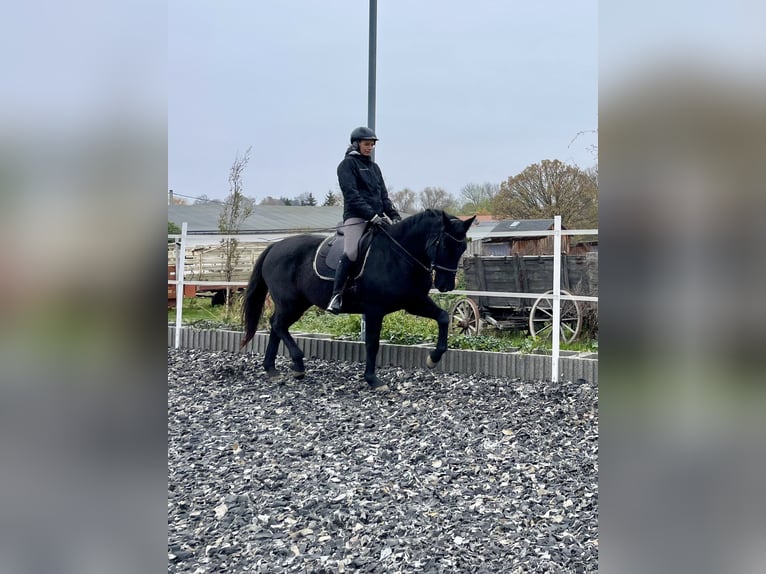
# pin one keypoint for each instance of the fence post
(180, 258)
(556, 299)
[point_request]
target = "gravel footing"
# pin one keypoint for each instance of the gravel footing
(442, 473)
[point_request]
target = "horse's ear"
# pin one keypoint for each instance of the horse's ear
(468, 223)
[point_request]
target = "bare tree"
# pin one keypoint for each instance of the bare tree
(436, 198)
(478, 198)
(592, 148)
(234, 211)
(404, 200)
(550, 188)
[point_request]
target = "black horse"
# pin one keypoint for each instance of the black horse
(402, 263)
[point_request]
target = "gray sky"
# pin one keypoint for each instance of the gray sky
(467, 92)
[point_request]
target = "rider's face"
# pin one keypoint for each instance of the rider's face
(365, 146)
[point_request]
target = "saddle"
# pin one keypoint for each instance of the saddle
(329, 252)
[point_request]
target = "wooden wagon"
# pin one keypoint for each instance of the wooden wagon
(521, 274)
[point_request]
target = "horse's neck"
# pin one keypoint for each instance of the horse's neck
(414, 238)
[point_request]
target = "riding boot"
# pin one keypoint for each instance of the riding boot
(341, 275)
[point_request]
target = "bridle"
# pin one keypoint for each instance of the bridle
(436, 266)
(434, 243)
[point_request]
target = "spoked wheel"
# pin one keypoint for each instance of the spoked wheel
(465, 318)
(541, 318)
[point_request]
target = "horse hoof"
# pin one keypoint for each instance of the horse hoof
(429, 362)
(272, 373)
(297, 374)
(383, 388)
(376, 384)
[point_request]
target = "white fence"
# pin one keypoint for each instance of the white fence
(556, 296)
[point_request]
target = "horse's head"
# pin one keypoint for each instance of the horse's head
(449, 245)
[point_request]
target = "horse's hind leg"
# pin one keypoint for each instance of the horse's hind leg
(280, 323)
(269, 361)
(373, 324)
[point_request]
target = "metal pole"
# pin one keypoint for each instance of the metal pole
(371, 65)
(371, 91)
(556, 298)
(180, 256)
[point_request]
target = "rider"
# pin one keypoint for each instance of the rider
(364, 199)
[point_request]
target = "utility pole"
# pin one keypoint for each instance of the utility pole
(170, 197)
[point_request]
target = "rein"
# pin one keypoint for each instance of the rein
(403, 248)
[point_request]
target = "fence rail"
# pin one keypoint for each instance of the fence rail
(264, 238)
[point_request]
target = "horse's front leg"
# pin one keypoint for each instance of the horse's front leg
(429, 309)
(373, 323)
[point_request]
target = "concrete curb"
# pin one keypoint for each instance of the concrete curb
(493, 364)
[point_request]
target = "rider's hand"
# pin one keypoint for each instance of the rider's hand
(387, 219)
(380, 221)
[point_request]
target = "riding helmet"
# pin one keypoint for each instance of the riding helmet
(362, 133)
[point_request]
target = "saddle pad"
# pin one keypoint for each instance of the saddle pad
(329, 252)
(327, 257)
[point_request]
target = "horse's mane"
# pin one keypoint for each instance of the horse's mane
(419, 218)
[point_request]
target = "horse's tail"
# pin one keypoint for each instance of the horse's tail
(255, 297)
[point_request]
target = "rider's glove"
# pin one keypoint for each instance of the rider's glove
(380, 220)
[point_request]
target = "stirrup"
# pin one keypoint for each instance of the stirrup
(335, 304)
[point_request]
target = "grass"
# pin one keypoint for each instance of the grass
(399, 328)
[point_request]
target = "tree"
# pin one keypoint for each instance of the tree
(173, 229)
(234, 211)
(436, 198)
(478, 198)
(550, 188)
(330, 199)
(306, 198)
(404, 200)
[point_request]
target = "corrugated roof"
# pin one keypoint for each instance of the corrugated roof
(524, 225)
(204, 217)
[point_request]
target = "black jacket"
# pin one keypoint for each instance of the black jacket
(364, 192)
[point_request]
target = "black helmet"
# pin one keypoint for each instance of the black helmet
(363, 133)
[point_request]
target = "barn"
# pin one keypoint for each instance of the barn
(483, 244)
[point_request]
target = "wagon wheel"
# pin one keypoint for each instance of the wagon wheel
(465, 318)
(541, 318)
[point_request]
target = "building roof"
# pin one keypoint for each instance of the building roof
(204, 217)
(524, 225)
(480, 219)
